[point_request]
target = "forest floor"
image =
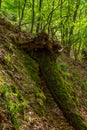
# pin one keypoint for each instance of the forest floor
(76, 72)
(21, 83)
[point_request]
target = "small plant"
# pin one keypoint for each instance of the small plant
(12, 102)
(84, 87)
(63, 65)
(40, 94)
(66, 75)
(31, 119)
(40, 98)
(84, 84)
(8, 60)
(63, 69)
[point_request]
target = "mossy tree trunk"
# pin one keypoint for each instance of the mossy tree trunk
(60, 89)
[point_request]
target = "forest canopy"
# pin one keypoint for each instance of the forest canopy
(65, 20)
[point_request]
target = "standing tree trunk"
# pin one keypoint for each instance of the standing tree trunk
(70, 41)
(33, 16)
(19, 10)
(39, 18)
(0, 3)
(50, 18)
(61, 22)
(22, 14)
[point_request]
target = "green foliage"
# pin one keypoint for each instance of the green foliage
(81, 125)
(64, 20)
(41, 95)
(84, 87)
(40, 98)
(63, 68)
(8, 60)
(62, 65)
(84, 84)
(11, 101)
(66, 75)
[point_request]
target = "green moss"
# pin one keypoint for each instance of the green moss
(61, 90)
(32, 68)
(40, 100)
(62, 66)
(76, 76)
(54, 79)
(78, 122)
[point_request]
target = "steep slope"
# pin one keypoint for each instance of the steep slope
(25, 102)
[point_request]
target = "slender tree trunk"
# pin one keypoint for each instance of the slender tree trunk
(61, 21)
(70, 41)
(22, 14)
(19, 10)
(68, 23)
(0, 3)
(78, 50)
(39, 18)
(50, 19)
(33, 16)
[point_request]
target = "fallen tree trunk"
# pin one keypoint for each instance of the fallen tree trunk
(60, 89)
(44, 51)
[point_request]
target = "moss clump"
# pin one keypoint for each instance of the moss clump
(32, 69)
(78, 122)
(40, 99)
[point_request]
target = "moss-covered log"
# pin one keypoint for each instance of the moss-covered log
(60, 89)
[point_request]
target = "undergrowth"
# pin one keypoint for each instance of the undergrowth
(12, 101)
